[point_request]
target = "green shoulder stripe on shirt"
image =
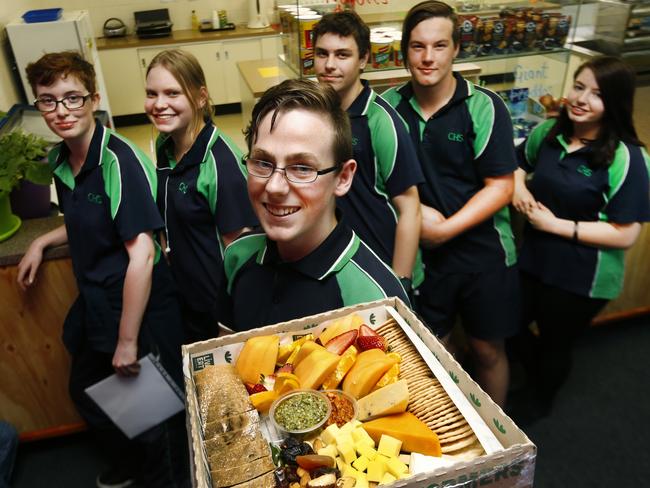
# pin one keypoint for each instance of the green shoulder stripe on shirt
(501, 222)
(608, 276)
(349, 251)
(357, 286)
(383, 137)
(239, 252)
(646, 158)
(535, 140)
(617, 173)
(481, 109)
(112, 173)
(206, 182)
(62, 171)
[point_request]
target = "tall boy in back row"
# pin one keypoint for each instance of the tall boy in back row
(463, 135)
(383, 205)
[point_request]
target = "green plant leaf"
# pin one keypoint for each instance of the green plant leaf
(372, 319)
(228, 357)
(454, 377)
(21, 156)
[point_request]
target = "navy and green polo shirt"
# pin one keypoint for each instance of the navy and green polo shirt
(387, 166)
(466, 141)
(109, 202)
(201, 197)
(566, 184)
(262, 289)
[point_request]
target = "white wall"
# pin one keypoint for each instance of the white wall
(9, 93)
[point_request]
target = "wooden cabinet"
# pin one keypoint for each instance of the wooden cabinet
(126, 69)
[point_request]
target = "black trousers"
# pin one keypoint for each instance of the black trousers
(157, 457)
(561, 317)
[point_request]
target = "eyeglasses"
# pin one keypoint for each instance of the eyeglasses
(71, 102)
(295, 173)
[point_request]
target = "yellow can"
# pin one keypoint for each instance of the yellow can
(380, 50)
(307, 24)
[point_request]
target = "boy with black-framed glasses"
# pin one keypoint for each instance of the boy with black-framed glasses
(305, 261)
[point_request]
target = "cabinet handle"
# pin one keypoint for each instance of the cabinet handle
(218, 56)
(143, 63)
(226, 54)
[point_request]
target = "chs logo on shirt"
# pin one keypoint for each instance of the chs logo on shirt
(455, 137)
(584, 170)
(183, 187)
(95, 198)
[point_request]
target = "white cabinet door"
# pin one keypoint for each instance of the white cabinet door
(233, 52)
(145, 55)
(124, 83)
(210, 56)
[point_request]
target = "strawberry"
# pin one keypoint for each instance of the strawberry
(365, 331)
(287, 368)
(341, 342)
(371, 342)
(254, 388)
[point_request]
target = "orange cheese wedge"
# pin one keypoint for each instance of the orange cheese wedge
(414, 434)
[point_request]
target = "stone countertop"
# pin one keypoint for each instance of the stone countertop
(13, 249)
(182, 37)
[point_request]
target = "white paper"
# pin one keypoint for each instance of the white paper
(138, 403)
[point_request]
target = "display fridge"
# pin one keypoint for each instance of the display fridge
(72, 31)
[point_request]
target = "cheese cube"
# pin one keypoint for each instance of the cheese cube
(396, 467)
(362, 481)
(366, 451)
(405, 458)
(389, 446)
(387, 479)
(340, 464)
(376, 470)
(347, 452)
(348, 427)
(344, 438)
(361, 463)
(349, 471)
(361, 436)
(383, 460)
(329, 450)
(329, 435)
(355, 423)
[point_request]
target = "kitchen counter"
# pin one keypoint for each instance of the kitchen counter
(182, 37)
(12, 250)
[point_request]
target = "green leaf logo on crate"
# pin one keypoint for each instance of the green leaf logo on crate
(228, 357)
(475, 400)
(309, 326)
(454, 377)
(372, 319)
(200, 362)
(499, 426)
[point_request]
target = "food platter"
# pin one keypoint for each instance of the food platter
(470, 428)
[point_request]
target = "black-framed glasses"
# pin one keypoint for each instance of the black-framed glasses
(295, 173)
(71, 102)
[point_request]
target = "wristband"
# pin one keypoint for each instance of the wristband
(575, 231)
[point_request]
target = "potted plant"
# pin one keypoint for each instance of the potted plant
(21, 158)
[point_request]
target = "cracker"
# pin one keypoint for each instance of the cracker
(452, 425)
(453, 435)
(456, 445)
